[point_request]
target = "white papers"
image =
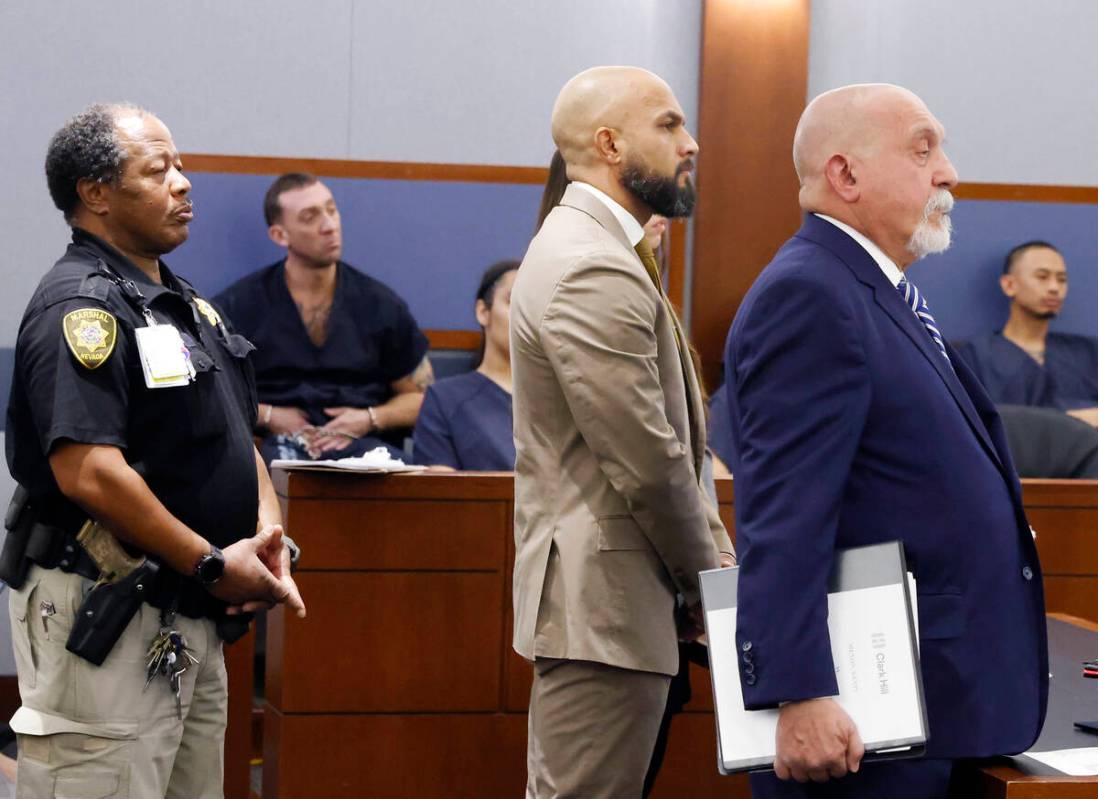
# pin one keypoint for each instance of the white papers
(165, 360)
(1075, 762)
(874, 669)
(376, 461)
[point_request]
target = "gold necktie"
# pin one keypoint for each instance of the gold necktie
(648, 258)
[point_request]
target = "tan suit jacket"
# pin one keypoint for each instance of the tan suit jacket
(610, 517)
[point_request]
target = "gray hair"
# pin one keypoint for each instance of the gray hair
(86, 147)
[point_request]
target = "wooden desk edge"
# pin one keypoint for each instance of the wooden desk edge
(416, 485)
(488, 485)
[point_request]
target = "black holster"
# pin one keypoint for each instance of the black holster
(14, 561)
(231, 629)
(106, 611)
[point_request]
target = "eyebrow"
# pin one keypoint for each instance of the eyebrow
(925, 131)
(672, 116)
(317, 207)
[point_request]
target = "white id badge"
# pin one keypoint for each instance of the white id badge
(165, 360)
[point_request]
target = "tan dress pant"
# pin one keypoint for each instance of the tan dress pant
(88, 732)
(592, 729)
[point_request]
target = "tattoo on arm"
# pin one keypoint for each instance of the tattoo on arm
(424, 375)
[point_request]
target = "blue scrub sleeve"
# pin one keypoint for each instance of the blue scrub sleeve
(433, 441)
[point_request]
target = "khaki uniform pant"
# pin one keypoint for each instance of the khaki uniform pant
(592, 729)
(95, 732)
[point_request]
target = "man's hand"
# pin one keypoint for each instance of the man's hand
(816, 741)
(276, 557)
(248, 583)
(286, 421)
(355, 422)
(346, 425)
(728, 560)
(1088, 415)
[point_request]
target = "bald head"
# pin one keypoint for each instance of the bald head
(601, 97)
(871, 156)
(621, 130)
(850, 119)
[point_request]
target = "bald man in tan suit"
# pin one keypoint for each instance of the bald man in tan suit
(612, 525)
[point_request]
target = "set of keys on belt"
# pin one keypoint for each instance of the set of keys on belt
(168, 655)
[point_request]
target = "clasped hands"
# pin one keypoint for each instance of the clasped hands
(257, 575)
(345, 426)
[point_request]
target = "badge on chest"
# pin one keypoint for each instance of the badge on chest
(165, 359)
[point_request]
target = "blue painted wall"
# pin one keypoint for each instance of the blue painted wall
(429, 241)
(962, 284)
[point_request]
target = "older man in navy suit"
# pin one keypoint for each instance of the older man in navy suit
(853, 423)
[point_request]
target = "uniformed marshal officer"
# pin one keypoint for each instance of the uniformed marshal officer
(132, 406)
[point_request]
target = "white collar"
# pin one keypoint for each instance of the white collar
(888, 266)
(633, 230)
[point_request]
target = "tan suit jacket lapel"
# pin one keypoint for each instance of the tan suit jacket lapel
(585, 201)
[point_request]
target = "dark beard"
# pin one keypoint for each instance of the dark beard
(662, 194)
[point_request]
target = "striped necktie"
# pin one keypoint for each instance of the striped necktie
(918, 306)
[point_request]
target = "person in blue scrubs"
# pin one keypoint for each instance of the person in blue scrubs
(340, 363)
(1025, 363)
(465, 421)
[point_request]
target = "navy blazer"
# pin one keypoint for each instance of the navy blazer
(850, 428)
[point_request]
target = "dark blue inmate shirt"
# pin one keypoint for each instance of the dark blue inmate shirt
(465, 423)
(1068, 379)
(372, 341)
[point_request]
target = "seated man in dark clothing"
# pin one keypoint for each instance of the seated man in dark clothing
(465, 422)
(1024, 363)
(340, 364)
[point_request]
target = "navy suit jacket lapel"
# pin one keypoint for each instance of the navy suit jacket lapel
(867, 271)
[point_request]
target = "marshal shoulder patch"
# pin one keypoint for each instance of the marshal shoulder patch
(90, 334)
(207, 310)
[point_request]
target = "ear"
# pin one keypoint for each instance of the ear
(278, 235)
(1008, 284)
(840, 175)
(483, 312)
(94, 195)
(606, 144)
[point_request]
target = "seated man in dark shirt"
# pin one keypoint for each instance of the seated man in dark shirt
(1024, 363)
(340, 363)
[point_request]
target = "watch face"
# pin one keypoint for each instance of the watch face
(211, 567)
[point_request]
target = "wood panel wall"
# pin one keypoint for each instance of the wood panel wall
(754, 78)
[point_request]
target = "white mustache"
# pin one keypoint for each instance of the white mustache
(941, 202)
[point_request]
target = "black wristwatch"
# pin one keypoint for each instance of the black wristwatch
(210, 567)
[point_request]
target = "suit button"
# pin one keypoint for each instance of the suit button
(1027, 572)
(749, 679)
(748, 668)
(748, 657)
(746, 646)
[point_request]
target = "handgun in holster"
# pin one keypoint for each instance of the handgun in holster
(124, 583)
(19, 521)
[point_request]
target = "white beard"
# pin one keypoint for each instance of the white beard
(933, 237)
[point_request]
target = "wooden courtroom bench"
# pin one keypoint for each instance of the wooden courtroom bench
(402, 681)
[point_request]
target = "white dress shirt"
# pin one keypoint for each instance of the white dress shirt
(633, 229)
